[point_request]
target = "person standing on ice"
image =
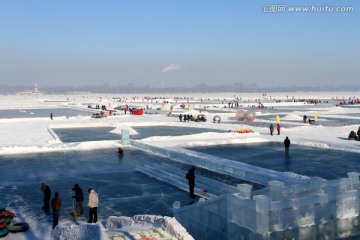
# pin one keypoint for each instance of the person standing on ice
(93, 205)
(55, 205)
(47, 194)
(271, 129)
(180, 117)
(278, 128)
(51, 116)
(120, 152)
(287, 145)
(190, 176)
(79, 197)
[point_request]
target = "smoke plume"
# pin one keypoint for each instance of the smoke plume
(171, 67)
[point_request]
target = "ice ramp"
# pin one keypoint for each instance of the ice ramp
(205, 187)
(234, 169)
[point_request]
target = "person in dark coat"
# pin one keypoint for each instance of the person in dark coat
(55, 205)
(47, 195)
(304, 118)
(79, 197)
(287, 144)
(120, 152)
(190, 176)
(271, 129)
(180, 117)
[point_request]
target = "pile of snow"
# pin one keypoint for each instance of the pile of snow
(292, 117)
(295, 175)
(80, 232)
(137, 227)
(149, 225)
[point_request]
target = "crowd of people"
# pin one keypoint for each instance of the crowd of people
(103, 107)
(56, 203)
(188, 118)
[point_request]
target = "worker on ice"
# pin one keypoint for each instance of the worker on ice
(190, 176)
(120, 152)
(287, 145)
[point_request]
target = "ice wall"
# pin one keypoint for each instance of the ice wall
(176, 177)
(206, 219)
(125, 137)
(288, 208)
(235, 169)
(319, 209)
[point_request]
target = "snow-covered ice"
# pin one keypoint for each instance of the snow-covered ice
(29, 130)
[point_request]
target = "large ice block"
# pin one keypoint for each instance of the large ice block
(125, 137)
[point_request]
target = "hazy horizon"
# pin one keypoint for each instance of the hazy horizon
(178, 43)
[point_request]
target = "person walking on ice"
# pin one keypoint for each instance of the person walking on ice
(287, 145)
(278, 128)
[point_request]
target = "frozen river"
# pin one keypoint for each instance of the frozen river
(74, 148)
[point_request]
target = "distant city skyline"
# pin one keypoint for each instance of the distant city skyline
(179, 43)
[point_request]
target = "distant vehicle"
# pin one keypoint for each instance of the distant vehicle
(136, 111)
(200, 118)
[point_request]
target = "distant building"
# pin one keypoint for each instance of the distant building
(35, 91)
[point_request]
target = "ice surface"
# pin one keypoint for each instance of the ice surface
(327, 210)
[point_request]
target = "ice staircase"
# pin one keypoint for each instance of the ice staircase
(205, 187)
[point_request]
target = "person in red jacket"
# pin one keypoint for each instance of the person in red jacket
(278, 128)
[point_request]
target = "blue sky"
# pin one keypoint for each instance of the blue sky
(131, 41)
